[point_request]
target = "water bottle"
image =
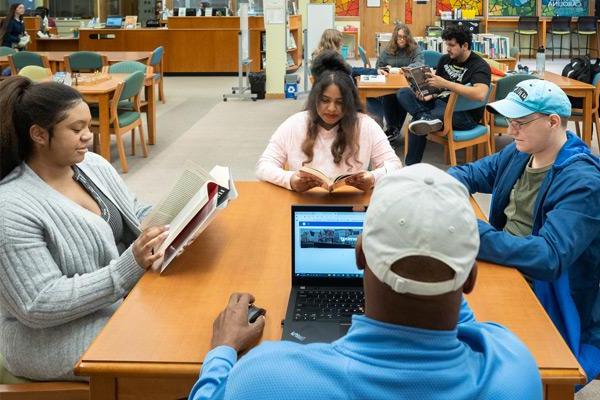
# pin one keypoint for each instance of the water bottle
(540, 60)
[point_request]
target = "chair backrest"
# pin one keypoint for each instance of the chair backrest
(528, 23)
(431, 58)
(35, 73)
(84, 61)
(6, 51)
(588, 23)
(156, 56)
(22, 59)
(560, 24)
(127, 67)
(505, 85)
(364, 58)
(465, 104)
(132, 85)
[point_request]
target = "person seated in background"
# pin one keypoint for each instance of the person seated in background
(401, 51)
(417, 340)
(70, 243)
(460, 71)
(545, 212)
(332, 135)
(12, 26)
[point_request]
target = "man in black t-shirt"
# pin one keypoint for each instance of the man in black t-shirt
(455, 70)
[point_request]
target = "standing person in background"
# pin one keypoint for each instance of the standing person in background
(70, 241)
(331, 135)
(12, 27)
(401, 51)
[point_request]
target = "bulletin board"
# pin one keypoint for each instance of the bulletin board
(449, 5)
(565, 8)
(343, 8)
(511, 8)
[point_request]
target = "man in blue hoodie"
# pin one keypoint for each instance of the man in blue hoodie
(417, 340)
(545, 212)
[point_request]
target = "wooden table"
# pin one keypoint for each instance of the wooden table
(57, 44)
(570, 86)
(153, 347)
(101, 94)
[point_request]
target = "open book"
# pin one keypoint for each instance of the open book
(328, 183)
(189, 207)
(417, 79)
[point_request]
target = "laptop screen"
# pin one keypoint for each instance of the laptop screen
(114, 21)
(323, 241)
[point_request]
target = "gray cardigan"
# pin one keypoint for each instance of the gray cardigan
(400, 59)
(61, 274)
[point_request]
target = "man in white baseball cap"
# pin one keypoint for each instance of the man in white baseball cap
(418, 251)
(545, 212)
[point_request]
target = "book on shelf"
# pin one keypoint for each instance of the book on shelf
(329, 183)
(290, 60)
(189, 207)
(291, 43)
(417, 79)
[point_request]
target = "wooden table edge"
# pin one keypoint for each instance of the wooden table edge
(138, 369)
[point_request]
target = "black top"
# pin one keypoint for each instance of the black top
(13, 33)
(473, 70)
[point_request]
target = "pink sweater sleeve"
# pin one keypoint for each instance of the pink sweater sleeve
(383, 157)
(270, 164)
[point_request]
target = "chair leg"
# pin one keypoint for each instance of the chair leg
(492, 143)
(488, 145)
(143, 141)
(406, 133)
(161, 91)
(122, 155)
(597, 123)
(530, 45)
(452, 154)
(469, 154)
(577, 129)
(552, 43)
(96, 145)
(133, 142)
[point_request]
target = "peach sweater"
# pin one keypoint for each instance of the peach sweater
(285, 147)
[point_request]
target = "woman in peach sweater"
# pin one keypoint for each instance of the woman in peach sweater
(332, 135)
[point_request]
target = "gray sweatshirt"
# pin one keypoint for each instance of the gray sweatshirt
(400, 59)
(61, 274)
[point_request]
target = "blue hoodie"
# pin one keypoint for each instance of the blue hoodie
(562, 255)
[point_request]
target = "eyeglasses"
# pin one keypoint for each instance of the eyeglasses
(519, 125)
(403, 37)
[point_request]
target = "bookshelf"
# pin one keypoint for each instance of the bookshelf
(293, 42)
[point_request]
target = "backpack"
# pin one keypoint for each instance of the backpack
(579, 68)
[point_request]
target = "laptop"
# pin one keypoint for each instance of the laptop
(327, 287)
(114, 21)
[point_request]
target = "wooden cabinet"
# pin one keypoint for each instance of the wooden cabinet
(192, 44)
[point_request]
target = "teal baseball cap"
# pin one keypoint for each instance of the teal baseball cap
(533, 96)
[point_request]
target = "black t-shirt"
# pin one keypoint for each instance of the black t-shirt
(473, 70)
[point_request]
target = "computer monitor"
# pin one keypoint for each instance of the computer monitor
(114, 21)
(190, 12)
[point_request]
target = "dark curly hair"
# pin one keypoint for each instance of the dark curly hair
(461, 34)
(329, 60)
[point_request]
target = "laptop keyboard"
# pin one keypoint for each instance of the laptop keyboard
(328, 305)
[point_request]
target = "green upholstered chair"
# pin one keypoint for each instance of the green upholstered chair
(22, 59)
(84, 61)
(125, 67)
(6, 51)
(561, 27)
(431, 58)
(363, 57)
(454, 140)
(528, 27)
(35, 73)
(587, 26)
(156, 61)
(498, 124)
(125, 120)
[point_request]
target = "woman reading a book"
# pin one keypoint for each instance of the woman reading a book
(402, 51)
(70, 244)
(332, 136)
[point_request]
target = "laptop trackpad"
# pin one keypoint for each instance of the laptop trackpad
(345, 326)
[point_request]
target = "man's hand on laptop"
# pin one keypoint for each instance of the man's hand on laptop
(231, 328)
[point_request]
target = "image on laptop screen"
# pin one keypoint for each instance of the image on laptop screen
(114, 21)
(324, 243)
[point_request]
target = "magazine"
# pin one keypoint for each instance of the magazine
(417, 79)
(189, 207)
(329, 184)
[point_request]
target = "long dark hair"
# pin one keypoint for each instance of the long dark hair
(332, 70)
(10, 15)
(24, 104)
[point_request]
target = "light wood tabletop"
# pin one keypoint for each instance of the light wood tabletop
(56, 58)
(153, 346)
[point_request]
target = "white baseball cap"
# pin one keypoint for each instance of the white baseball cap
(420, 210)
